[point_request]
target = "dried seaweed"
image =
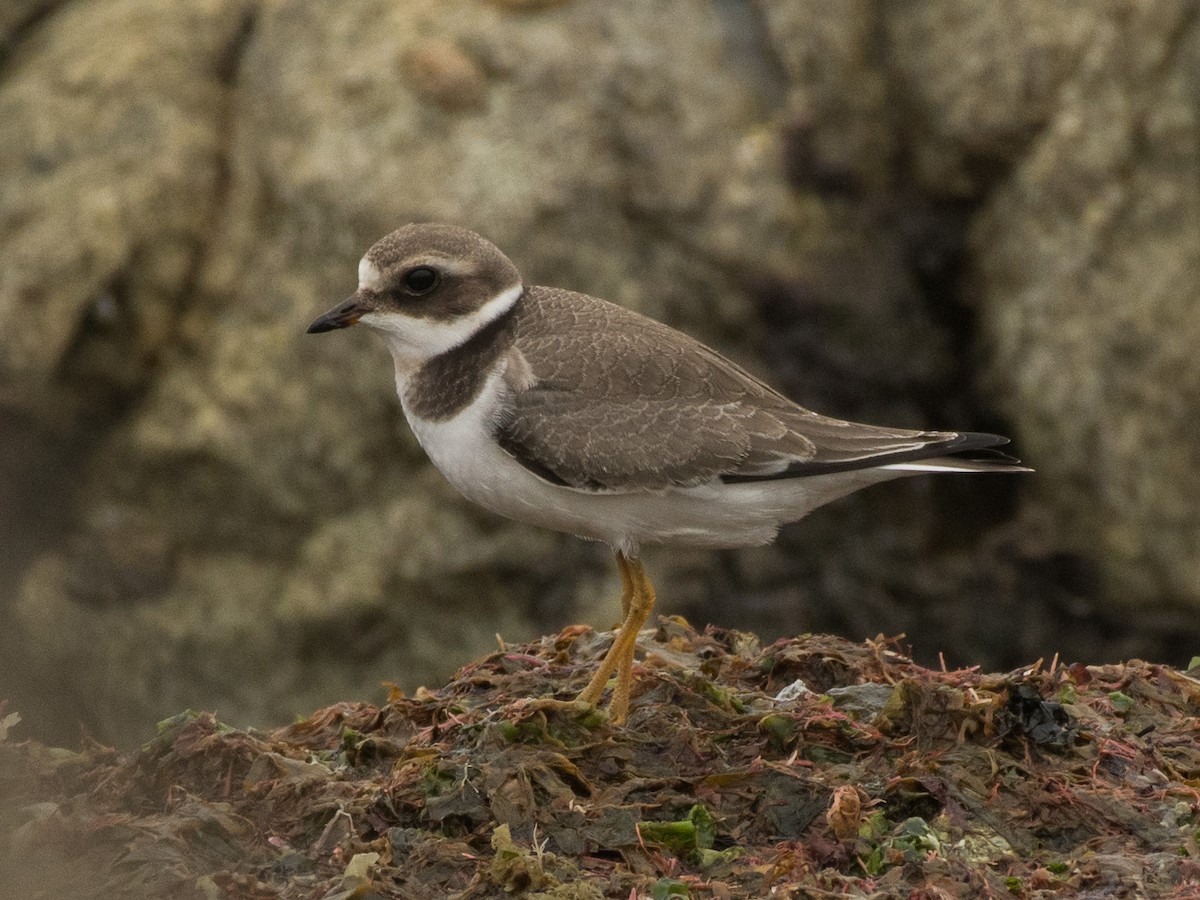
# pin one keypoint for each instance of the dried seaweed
(808, 767)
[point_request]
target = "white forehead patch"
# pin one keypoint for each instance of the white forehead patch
(369, 276)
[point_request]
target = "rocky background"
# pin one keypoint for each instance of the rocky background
(929, 213)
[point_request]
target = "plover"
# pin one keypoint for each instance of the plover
(563, 410)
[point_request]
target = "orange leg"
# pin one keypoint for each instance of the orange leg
(637, 601)
(628, 584)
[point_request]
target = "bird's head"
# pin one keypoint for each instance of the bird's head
(426, 288)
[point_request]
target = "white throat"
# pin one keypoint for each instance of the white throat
(413, 340)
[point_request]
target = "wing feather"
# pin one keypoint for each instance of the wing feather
(644, 407)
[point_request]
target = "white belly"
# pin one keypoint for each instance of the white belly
(711, 515)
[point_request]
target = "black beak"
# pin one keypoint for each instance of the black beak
(343, 315)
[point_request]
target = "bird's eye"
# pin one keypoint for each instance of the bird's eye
(421, 280)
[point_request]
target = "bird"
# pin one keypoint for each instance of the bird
(562, 410)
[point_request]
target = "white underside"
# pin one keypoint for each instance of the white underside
(711, 515)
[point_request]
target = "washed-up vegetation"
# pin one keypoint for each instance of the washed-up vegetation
(809, 767)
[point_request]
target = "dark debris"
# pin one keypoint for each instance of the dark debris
(812, 766)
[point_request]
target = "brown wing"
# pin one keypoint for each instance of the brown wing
(611, 400)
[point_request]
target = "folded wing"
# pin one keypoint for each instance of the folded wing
(648, 408)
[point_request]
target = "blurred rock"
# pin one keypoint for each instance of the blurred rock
(17, 16)
(111, 171)
(841, 120)
(976, 82)
(445, 75)
(208, 508)
(110, 174)
(1086, 269)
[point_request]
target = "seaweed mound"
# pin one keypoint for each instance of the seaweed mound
(810, 766)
